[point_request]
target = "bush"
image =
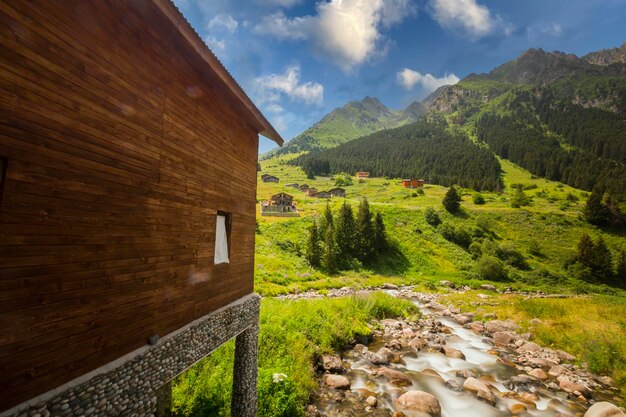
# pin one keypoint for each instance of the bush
(456, 234)
(479, 199)
(534, 248)
(509, 254)
(432, 218)
(491, 269)
(476, 250)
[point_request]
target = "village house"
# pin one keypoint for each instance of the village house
(304, 187)
(311, 192)
(323, 194)
(294, 185)
(412, 183)
(362, 175)
(269, 178)
(337, 192)
(280, 204)
(127, 210)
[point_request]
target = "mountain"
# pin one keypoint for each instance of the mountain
(355, 119)
(557, 115)
(607, 56)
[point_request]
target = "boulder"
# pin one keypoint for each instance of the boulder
(500, 326)
(452, 352)
(564, 356)
(529, 347)
(486, 396)
(503, 338)
(517, 408)
(337, 381)
(604, 409)
(465, 373)
(488, 287)
(384, 356)
(571, 387)
(371, 401)
(474, 385)
(419, 401)
(447, 283)
(453, 385)
(418, 343)
(395, 377)
(538, 373)
(557, 370)
(388, 286)
(331, 363)
(476, 326)
(408, 333)
(463, 319)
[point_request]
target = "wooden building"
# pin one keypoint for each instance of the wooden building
(323, 194)
(270, 178)
(362, 175)
(412, 183)
(127, 207)
(280, 204)
(337, 192)
(304, 187)
(311, 192)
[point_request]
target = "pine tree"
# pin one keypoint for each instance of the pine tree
(313, 250)
(346, 233)
(595, 211)
(620, 273)
(584, 252)
(326, 221)
(602, 261)
(452, 200)
(380, 235)
(329, 252)
(365, 232)
(519, 198)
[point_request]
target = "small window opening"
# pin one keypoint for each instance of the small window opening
(3, 169)
(222, 238)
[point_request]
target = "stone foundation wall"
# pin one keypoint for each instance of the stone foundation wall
(130, 388)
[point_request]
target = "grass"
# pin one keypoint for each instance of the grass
(545, 232)
(293, 334)
(593, 328)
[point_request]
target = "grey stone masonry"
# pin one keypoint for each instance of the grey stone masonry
(243, 400)
(128, 387)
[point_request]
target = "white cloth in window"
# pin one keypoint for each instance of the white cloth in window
(221, 241)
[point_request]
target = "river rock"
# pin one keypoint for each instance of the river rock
(604, 409)
(500, 326)
(564, 356)
(453, 385)
(408, 333)
(486, 396)
(474, 385)
(388, 286)
(453, 353)
(447, 283)
(476, 326)
(465, 373)
(337, 381)
(541, 363)
(538, 373)
(571, 387)
(418, 343)
(371, 401)
(503, 338)
(557, 370)
(488, 287)
(395, 377)
(331, 363)
(529, 347)
(384, 356)
(419, 401)
(517, 408)
(463, 319)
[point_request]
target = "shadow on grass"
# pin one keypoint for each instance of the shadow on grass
(391, 261)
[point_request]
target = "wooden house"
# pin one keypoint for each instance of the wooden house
(337, 192)
(294, 185)
(412, 183)
(304, 187)
(311, 192)
(127, 208)
(270, 178)
(362, 175)
(323, 194)
(280, 204)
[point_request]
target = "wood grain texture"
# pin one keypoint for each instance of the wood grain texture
(121, 146)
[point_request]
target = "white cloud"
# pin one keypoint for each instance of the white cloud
(216, 45)
(281, 3)
(223, 21)
(538, 30)
(347, 31)
(271, 87)
(467, 16)
(408, 78)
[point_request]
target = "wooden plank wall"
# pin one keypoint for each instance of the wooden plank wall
(121, 147)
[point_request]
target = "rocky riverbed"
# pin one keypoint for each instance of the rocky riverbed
(446, 364)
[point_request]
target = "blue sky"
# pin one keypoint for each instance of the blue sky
(299, 59)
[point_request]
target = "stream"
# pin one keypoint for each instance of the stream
(416, 351)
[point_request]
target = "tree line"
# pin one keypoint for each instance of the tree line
(425, 149)
(595, 263)
(336, 241)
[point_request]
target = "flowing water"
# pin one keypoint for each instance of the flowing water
(429, 371)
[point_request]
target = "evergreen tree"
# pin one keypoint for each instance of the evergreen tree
(620, 273)
(595, 211)
(584, 252)
(346, 233)
(602, 261)
(365, 232)
(326, 221)
(380, 235)
(452, 200)
(432, 218)
(329, 252)
(313, 250)
(615, 218)
(519, 198)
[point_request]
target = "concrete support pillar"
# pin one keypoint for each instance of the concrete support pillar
(245, 372)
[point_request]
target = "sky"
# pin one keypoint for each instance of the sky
(300, 59)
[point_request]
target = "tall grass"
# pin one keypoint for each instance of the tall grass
(293, 334)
